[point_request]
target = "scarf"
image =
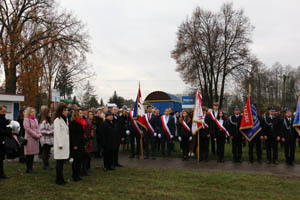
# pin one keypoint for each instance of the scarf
(81, 122)
(31, 117)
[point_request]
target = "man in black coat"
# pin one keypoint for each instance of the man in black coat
(271, 133)
(135, 138)
(204, 138)
(163, 135)
(257, 142)
(235, 134)
(4, 132)
(289, 137)
(149, 138)
(120, 136)
(212, 126)
(110, 141)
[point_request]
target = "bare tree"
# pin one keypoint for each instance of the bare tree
(212, 47)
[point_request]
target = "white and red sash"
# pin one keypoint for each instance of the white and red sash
(184, 124)
(165, 126)
(149, 126)
(134, 124)
(218, 124)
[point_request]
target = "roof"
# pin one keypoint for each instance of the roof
(11, 98)
(159, 96)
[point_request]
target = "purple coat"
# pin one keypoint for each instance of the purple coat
(32, 134)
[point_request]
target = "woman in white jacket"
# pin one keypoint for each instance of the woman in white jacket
(61, 141)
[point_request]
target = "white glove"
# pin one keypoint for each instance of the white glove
(128, 132)
(172, 136)
(190, 139)
(179, 138)
(71, 160)
(159, 135)
(155, 134)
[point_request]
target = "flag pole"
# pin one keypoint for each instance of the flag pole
(250, 89)
(142, 148)
(198, 144)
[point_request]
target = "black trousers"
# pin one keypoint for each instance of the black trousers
(149, 139)
(221, 146)
(46, 154)
(59, 171)
(257, 143)
(107, 158)
(204, 148)
(184, 144)
(76, 166)
(272, 148)
(116, 156)
(237, 148)
(29, 161)
(165, 140)
(213, 148)
(99, 145)
(1, 167)
(289, 150)
(86, 162)
(135, 138)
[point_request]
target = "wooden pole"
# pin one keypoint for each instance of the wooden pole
(142, 148)
(198, 144)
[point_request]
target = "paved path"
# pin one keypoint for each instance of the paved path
(176, 163)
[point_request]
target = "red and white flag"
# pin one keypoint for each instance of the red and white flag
(198, 118)
(139, 113)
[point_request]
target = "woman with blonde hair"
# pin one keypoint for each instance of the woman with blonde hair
(32, 135)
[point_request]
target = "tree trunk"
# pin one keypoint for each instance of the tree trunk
(11, 80)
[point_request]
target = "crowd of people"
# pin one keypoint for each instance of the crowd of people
(79, 134)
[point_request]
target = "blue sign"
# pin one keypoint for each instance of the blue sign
(188, 100)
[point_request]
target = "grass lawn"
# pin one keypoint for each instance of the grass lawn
(146, 183)
(245, 155)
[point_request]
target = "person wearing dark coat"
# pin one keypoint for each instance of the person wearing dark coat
(120, 136)
(235, 134)
(149, 137)
(221, 136)
(271, 133)
(20, 119)
(4, 132)
(110, 141)
(134, 137)
(184, 127)
(163, 135)
(99, 120)
(212, 126)
(204, 138)
(76, 131)
(257, 142)
(289, 137)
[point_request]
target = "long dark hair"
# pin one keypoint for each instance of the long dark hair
(59, 111)
(45, 115)
(223, 117)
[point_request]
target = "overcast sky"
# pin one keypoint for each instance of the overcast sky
(131, 40)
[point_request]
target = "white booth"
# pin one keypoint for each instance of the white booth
(12, 102)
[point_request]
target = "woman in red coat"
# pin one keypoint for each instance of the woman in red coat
(89, 149)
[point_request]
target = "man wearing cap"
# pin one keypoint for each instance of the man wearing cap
(212, 126)
(235, 134)
(110, 144)
(271, 133)
(289, 137)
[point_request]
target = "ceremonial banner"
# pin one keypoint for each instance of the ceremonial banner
(134, 124)
(250, 124)
(247, 120)
(296, 122)
(139, 113)
(198, 118)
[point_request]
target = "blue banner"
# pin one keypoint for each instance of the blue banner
(251, 132)
(296, 122)
(188, 100)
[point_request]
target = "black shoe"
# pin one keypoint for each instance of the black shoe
(153, 158)
(146, 158)
(269, 162)
(77, 179)
(251, 161)
(275, 162)
(105, 169)
(131, 156)
(29, 171)
(118, 165)
(111, 168)
(259, 162)
(61, 183)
